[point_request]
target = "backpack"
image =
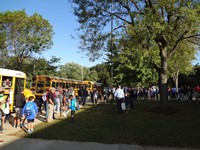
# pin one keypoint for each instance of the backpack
(29, 110)
(44, 96)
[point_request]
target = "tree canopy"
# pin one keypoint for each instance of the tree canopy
(76, 71)
(156, 27)
(22, 36)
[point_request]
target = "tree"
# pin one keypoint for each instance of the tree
(40, 66)
(22, 36)
(131, 66)
(181, 62)
(156, 27)
(76, 71)
(92, 75)
(103, 71)
(71, 70)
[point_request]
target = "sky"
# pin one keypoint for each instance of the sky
(60, 15)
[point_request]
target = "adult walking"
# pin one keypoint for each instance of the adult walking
(57, 102)
(20, 101)
(51, 103)
(119, 95)
(81, 95)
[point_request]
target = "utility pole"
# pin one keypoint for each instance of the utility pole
(111, 55)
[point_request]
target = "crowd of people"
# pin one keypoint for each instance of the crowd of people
(183, 93)
(59, 101)
(126, 96)
(27, 108)
(136, 93)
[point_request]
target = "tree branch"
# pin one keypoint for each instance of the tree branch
(136, 6)
(114, 14)
(149, 2)
(176, 43)
(192, 36)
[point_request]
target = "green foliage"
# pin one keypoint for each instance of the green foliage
(131, 65)
(40, 66)
(182, 60)
(151, 25)
(71, 70)
(156, 28)
(103, 71)
(93, 75)
(22, 36)
(75, 71)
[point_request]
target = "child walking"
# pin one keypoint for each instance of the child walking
(30, 111)
(7, 109)
(72, 106)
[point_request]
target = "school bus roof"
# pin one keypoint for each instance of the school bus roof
(12, 73)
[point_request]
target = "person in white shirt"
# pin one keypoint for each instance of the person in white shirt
(7, 109)
(71, 91)
(119, 96)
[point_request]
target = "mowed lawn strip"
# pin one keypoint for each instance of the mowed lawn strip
(144, 125)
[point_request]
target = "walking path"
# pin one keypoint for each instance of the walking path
(18, 143)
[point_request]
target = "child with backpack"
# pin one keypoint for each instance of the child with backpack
(30, 112)
(72, 106)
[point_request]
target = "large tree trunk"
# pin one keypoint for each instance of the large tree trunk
(163, 91)
(163, 80)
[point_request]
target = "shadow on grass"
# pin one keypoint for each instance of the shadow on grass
(141, 125)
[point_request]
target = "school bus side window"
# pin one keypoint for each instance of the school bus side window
(33, 83)
(7, 81)
(47, 84)
(53, 84)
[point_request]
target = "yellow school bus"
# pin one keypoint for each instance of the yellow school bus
(12, 81)
(90, 85)
(40, 83)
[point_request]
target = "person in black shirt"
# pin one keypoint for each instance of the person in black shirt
(20, 101)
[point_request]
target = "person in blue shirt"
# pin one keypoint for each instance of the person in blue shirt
(30, 112)
(72, 106)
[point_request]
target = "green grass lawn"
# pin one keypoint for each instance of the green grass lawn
(179, 128)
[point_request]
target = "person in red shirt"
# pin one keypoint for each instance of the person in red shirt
(197, 93)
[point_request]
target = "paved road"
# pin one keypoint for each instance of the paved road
(17, 143)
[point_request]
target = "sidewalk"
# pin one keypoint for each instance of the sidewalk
(14, 143)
